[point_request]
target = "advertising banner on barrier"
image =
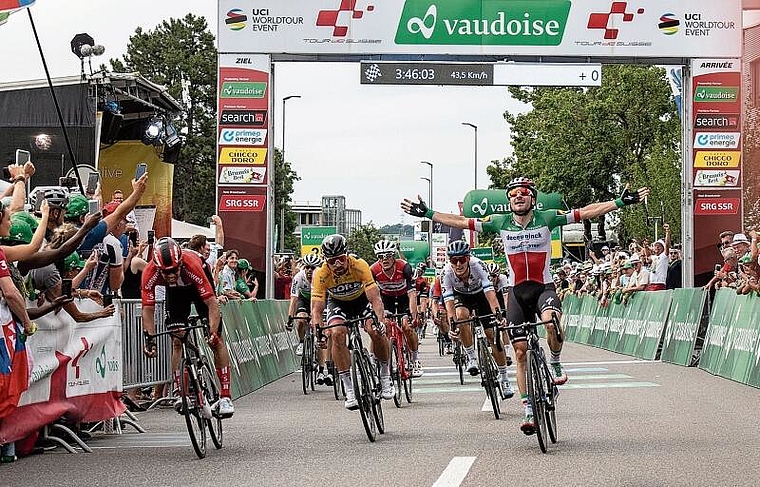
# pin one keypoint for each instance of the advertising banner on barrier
(683, 323)
(655, 315)
(712, 350)
(76, 371)
(741, 339)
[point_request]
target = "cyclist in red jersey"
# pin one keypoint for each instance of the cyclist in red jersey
(394, 278)
(186, 283)
(422, 286)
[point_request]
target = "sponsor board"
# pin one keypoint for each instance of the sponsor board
(717, 178)
(245, 202)
(243, 156)
(255, 137)
(717, 121)
(232, 89)
(717, 140)
(716, 94)
(242, 175)
(709, 205)
(717, 159)
(243, 118)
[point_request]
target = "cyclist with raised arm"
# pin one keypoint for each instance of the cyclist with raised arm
(300, 306)
(344, 286)
(467, 288)
(500, 285)
(186, 283)
(394, 278)
(526, 234)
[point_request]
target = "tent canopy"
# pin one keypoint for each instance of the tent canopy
(183, 230)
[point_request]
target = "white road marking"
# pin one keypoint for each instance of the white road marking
(487, 407)
(455, 472)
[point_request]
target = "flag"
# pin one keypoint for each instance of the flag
(7, 7)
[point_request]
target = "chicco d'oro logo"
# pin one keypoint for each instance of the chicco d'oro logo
(602, 20)
(418, 25)
(338, 19)
(236, 19)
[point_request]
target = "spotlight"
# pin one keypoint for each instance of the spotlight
(154, 131)
(81, 45)
(43, 142)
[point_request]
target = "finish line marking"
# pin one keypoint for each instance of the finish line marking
(455, 472)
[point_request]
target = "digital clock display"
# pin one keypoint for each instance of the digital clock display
(382, 73)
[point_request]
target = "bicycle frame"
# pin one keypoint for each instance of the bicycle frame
(401, 352)
(489, 377)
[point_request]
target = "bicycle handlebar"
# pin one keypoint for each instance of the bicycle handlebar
(177, 329)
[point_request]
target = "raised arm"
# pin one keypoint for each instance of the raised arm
(627, 198)
(24, 252)
(219, 236)
(138, 189)
(420, 209)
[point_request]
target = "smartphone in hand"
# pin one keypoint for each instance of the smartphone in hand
(141, 168)
(22, 157)
(151, 237)
(66, 288)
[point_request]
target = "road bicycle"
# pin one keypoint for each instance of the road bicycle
(401, 358)
(489, 372)
(308, 359)
(539, 381)
(198, 386)
(365, 378)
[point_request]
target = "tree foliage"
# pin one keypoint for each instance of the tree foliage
(586, 143)
(362, 241)
(751, 167)
(284, 180)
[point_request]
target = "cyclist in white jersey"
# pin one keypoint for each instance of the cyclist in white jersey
(501, 286)
(526, 234)
(466, 287)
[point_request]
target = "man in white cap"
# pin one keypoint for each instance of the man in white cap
(606, 255)
(660, 262)
(640, 277)
(740, 244)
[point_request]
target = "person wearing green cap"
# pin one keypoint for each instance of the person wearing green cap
(242, 280)
(13, 298)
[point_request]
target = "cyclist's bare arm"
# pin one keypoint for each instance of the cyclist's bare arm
(413, 304)
(450, 219)
(292, 306)
(598, 209)
(148, 319)
(373, 296)
(214, 316)
(492, 301)
(317, 308)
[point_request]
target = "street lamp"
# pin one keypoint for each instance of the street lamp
(282, 208)
(430, 205)
(476, 150)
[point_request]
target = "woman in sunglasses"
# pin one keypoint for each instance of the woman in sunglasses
(526, 234)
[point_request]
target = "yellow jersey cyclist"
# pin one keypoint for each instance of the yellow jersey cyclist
(300, 306)
(466, 288)
(526, 235)
(345, 287)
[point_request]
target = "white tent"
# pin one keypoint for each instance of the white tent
(183, 230)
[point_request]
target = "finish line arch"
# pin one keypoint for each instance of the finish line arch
(702, 36)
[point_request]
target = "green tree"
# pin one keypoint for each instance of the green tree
(180, 54)
(751, 167)
(362, 241)
(284, 180)
(586, 143)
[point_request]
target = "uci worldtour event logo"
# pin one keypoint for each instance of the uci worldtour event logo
(242, 137)
(236, 19)
(472, 22)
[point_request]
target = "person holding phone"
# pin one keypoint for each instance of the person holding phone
(18, 175)
(108, 275)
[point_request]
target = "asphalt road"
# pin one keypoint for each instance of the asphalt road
(622, 422)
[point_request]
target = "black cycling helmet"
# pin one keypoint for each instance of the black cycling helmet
(458, 248)
(521, 182)
(167, 254)
(334, 245)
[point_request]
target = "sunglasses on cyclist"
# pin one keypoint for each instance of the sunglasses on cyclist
(310, 268)
(519, 192)
(459, 260)
(170, 271)
(385, 255)
(338, 259)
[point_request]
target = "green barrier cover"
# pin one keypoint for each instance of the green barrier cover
(654, 315)
(600, 326)
(712, 352)
(615, 325)
(589, 307)
(629, 337)
(570, 314)
(681, 330)
(741, 340)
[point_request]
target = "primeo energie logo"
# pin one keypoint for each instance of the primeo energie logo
(468, 22)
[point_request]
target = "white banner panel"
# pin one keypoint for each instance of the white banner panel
(606, 28)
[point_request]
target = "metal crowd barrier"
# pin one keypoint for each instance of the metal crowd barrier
(138, 370)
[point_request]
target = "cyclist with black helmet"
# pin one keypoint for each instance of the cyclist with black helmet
(345, 287)
(300, 306)
(466, 288)
(526, 234)
(394, 278)
(500, 285)
(186, 283)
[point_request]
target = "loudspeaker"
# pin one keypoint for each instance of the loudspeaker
(109, 132)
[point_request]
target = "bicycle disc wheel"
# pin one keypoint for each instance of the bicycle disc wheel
(211, 392)
(359, 378)
(396, 372)
(488, 378)
(535, 387)
(409, 366)
(551, 403)
(191, 393)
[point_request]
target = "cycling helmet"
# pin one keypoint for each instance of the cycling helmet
(493, 268)
(334, 245)
(522, 182)
(76, 207)
(312, 260)
(384, 247)
(55, 197)
(166, 253)
(458, 247)
(422, 266)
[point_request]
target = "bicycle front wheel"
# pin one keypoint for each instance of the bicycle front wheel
(305, 367)
(409, 366)
(396, 372)
(488, 377)
(192, 403)
(459, 361)
(211, 393)
(551, 403)
(535, 385)
(363, 392)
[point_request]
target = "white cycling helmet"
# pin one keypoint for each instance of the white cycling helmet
(312, 260)
(384, 247)
(493, 268)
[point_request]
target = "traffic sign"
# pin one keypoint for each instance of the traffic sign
(480, 74)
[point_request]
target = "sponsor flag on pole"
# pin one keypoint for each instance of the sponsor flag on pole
(7, 7)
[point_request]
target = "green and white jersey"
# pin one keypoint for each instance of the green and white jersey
(301, 286)
(529, 249)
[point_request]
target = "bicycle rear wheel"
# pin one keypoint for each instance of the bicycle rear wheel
(441, 346)
(337, 383)
(395, 366)
(306, 363)
(359, 371)
(211, 392)
(408, 365)
(313, 360)
(192, 401)
(551, 403)
(377, 400)
(535, 385)
(459, 361)
(488, 377)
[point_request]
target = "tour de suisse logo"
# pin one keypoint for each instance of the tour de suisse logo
(236, 19)
(340, 18)
(606, 20)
